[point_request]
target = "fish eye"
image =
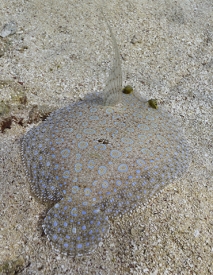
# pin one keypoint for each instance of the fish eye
(153, 103)
(127, 90)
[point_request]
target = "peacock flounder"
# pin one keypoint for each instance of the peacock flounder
(99, 158)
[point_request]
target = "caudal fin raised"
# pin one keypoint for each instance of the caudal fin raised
(75, 230)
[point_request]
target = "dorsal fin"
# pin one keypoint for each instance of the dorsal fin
(113, 88)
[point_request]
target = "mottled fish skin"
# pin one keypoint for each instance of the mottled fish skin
(95, 161)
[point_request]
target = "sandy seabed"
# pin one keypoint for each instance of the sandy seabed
(62, 51)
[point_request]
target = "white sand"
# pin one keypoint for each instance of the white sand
(69, 54)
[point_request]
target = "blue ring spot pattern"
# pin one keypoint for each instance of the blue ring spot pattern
(105, 184)
(82, 144)
(75, 189)
(102, 170)
(87, 191)
(123, 167)
(66, 174)
(65, 153)
(78, 167)
(115, 154)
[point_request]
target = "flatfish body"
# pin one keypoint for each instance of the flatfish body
(99, 158)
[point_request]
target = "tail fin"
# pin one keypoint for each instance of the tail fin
(75, 230)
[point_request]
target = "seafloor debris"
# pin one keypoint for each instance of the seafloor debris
(5, 117)
(8, 29)
(12, 267)
(99, 158)
(15, 108)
